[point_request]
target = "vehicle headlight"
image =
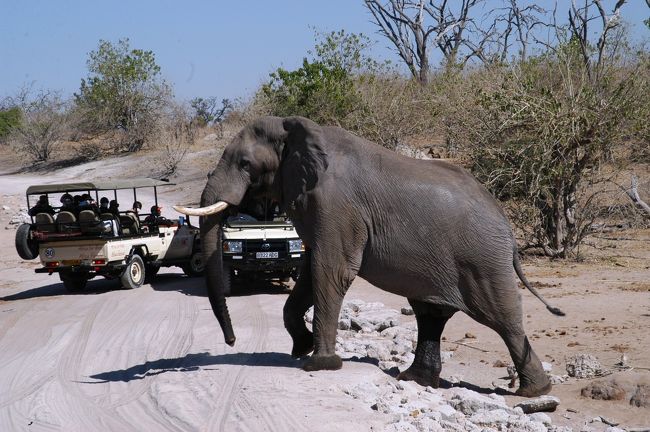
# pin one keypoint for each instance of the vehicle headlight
(233, 246)
(296, 246)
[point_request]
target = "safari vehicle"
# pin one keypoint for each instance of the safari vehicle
(260, 250)
(82, 242)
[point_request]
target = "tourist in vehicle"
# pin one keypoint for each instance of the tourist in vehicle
(155, 218)
(103, 205)
(137, 206)
(67, 204)
(88, 203)
(42, 206)
(113, 207)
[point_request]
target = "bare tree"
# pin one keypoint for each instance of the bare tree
(518, 23)
(403, 22)
(580, 19)
(43, 125)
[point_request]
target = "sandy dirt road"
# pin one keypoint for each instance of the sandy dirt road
(154, 358)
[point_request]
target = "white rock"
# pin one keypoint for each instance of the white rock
(541, 418)
(469, 402)
(402, 426)
(583, 366)
(490, 418)
(407, 311)
(548, 367)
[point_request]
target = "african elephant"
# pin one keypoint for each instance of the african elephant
(426, 230)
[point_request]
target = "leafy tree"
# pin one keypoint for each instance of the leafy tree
(323, 89)
(124, 91)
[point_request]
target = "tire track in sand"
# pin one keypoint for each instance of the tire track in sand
(252, 414)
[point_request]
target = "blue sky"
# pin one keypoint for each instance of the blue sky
(205, 48)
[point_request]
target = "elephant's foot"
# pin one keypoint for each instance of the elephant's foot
(529, 389)
(422, 377)
(302, 346)
(319, 362)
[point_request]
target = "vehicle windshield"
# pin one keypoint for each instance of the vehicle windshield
(241, 217)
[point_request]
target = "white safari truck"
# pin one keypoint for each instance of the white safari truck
(260, 250)
(76, 237)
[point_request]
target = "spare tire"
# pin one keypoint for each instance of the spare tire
(26, 246)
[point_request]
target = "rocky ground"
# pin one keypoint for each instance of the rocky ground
(154, 358)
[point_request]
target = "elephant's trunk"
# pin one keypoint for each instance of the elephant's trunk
(212, 250)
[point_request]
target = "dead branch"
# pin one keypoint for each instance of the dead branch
(633, 193)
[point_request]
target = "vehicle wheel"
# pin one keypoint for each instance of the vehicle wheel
(195, 266)
(134, 273)
(74, 282)
(26, 247)
(151, 270)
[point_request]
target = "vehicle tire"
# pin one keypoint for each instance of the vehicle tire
(134, 273)
(74, 282)
(26, 247)
(195, 266)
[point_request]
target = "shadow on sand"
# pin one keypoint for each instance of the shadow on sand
(95, 286)
(204, 360)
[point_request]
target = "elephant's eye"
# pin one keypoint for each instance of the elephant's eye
(245, 164)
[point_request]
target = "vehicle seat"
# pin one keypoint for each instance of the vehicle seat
(114, 223)
(66, 222)
(45, 222)
(89, 222)
(130, 224)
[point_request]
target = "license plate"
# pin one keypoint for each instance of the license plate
(266, 255)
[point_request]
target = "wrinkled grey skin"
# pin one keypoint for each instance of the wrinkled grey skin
(426, 230)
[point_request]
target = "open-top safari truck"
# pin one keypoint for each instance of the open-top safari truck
(80, 240)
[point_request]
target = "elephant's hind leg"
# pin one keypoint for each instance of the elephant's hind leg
(500, 309)
(427, 365)
(533, 380)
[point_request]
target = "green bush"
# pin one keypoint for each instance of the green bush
(10, 118)
(124, 92)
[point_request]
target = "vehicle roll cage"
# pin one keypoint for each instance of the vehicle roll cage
(96, 187)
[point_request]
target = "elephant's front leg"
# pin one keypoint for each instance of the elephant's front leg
(299, 301)
(427, 365)
(331, 281)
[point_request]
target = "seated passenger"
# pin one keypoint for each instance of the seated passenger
(137, 206)
(88, 203)
(155, 218)
(42, 206)
(68, 204)
(103, 205)
(113, 207)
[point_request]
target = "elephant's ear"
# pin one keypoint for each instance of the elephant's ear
(304, 158)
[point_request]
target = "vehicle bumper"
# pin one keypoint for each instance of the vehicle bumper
(243, 263)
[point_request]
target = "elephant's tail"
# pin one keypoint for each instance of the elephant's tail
(522, 277)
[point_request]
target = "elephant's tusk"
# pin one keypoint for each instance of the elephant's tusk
(202, 211)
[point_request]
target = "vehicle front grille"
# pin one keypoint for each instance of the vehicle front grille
(273, 246)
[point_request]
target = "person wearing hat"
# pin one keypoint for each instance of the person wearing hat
(155, 218)
(67, 204)
(42, 206)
